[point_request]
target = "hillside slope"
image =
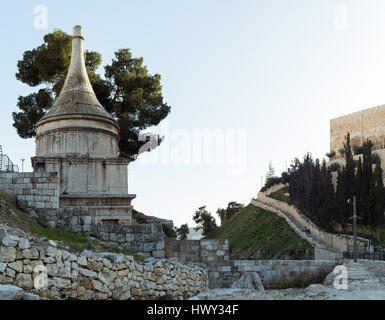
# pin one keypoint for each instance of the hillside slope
(255, 233)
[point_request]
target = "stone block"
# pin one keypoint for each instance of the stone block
(159, 254)
(10, 241)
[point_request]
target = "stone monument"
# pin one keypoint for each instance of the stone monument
(78, 139)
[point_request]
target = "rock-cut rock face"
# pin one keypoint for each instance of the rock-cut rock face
(249, 281)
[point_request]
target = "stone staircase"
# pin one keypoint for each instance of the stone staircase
(364, 277)
(298, 227)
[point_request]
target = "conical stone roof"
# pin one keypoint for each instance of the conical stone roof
(77, 98)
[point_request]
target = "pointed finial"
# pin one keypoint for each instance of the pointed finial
(78, 32)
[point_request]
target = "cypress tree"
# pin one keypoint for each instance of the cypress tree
(367, 171)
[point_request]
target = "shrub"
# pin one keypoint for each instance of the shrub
(271, 182)
(169, 231)
(375, 158)
(358, 150)
(335, 167)
(331, 154)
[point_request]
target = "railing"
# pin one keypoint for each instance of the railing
(6, 165)
(365, 255)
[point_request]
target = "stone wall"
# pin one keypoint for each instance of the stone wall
(362, 125)
(339, 243)
(271, 272)
(213, 254)
(90, 275)
(372, 263)
(32, 190)
(204, 250)
(145, 238)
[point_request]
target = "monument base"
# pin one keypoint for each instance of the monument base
(104, 209)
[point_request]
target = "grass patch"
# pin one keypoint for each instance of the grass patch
(74, 240)
(281, 195)
(79, 242)
(137, 217)
(255, 233)
(115, 249)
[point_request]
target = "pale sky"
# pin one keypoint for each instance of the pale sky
(266, 75)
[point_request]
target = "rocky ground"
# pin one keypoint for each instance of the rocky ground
(364, 283)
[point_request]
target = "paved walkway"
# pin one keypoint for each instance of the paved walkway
(364, 283)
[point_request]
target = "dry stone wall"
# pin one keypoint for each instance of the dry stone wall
(204, 250)
(213, 254)
(145, 238)
(271, 272)
(91, 275)
(31, 189)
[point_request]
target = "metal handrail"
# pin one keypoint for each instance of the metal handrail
(365, 255)
(6, 165)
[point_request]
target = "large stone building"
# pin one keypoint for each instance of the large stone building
(78, 139)
(361, 125)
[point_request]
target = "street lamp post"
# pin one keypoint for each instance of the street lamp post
(355, 217)
(355, 229)
(22, 164)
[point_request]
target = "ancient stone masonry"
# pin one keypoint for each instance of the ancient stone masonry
(145, 238)
(78, 139)
(31, 189)
(77, 161)
(213, 255)
(90, 275)
(362, 125)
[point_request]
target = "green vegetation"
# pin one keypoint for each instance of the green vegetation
(232, 208)
(79, 242)
(169, 232)
(136, 215)
(127, 91)
(205, 221)
(75, 241)
(281, 195)
(182, 232)
(255, 233)
(110, 247)
(311, 189)
(331, 154)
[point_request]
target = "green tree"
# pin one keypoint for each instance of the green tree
(376, 205)
(232, 209)
(366, 181)
(128, 92)
(205, 221)
(182, 231)
(270, 173)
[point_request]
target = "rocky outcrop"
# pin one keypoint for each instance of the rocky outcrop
(38, 263)
(8, 292)
(248, 281)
